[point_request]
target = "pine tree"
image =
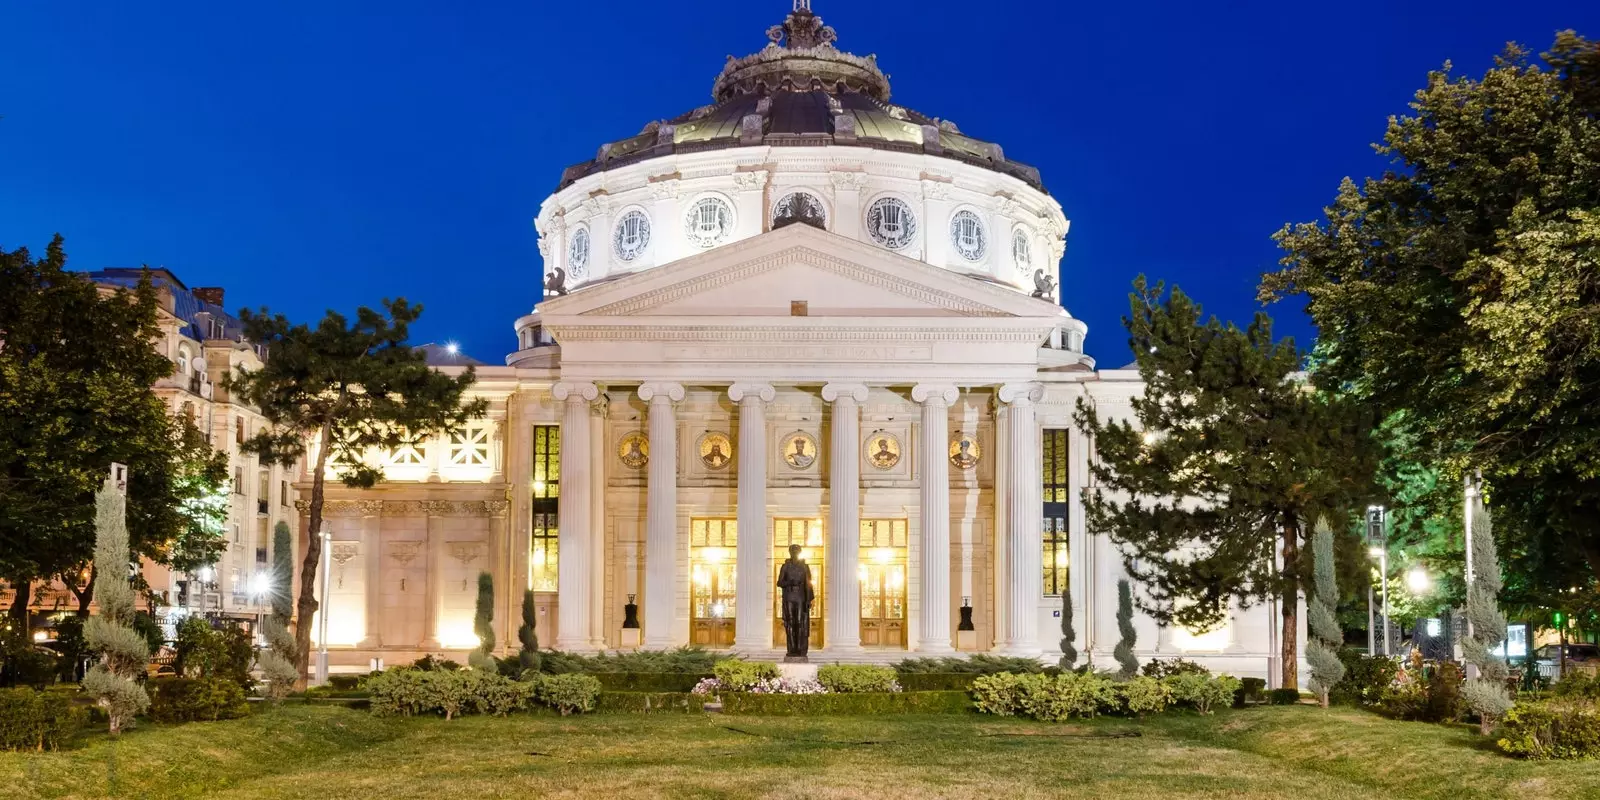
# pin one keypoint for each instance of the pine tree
(123, 650)
(1486, 694)
(1069, 652)
(483, 625)
(1322, 652)
(347, 387)
(1127, 662)
(529, 654)
(1211, 489)
(282, 573)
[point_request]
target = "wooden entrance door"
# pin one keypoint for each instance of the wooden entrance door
(883, 603)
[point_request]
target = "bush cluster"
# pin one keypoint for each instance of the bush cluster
(1365, 678)
(737, 675)
(649, 681)
(33, 720)
(1083, 695)
(1251, 690)
(1578, 683)
(1567, 727)
(864, 703)
(196, 699)
(1158, 669)
(1283, 697)
(204, 651)
(857, 678)
(687, 660)
(412, 692)
(936, 681)
(1432, 694)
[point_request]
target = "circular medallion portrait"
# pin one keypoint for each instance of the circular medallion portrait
(964, 450)
(883, 450)
(716, 450)
(634, 450)
(799, 450)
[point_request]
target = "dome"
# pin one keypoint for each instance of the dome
(801, 90)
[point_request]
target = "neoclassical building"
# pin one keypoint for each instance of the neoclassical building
(801, 314)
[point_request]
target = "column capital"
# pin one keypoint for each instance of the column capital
(835, 392)
(927, 392)
(739, 392)
(667, 391)
(1021, 393)
(581, 390)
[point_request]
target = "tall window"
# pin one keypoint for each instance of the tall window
(545, 547)
(1056, 555)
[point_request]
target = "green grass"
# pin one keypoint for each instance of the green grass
(1298, 752)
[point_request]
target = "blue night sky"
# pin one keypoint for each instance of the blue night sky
(322, 155)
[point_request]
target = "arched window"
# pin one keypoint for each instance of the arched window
(183, 360)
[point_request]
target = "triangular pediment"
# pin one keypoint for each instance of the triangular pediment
(798, 270)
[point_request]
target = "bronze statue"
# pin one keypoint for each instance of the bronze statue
(794, 581)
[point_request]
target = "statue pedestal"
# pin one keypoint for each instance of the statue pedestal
(799, 670)
(629, 639)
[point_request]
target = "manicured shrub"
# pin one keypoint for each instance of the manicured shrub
(430, 663)
(345, 683)
(1160, 668)
(33, 720)
(852, 678)
(1365, 678)
(494, 694)
(859, 704)
(1578, 683)
(738, 675)
(277, 662)
(527, 636)
(649, 702)
(1123, 652)
(648, 681)
(1326, 635)
(1429, 694)
(1144, 695)
(1004, 694)
(411, 692)
(568, 694)
(1560, 728)
(1251, 690)
(1202, 693)
(1283, 697)
(1069, 637)
(691, 660)
(196, 699)
(936, 681)
(482, 656)
(1048, 698)
(976, 664)
(123, 650)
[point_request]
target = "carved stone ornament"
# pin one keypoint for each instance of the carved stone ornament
(342, 554)
(467, 552)
(1044, 286)
(412, 508)
(556, 283)
(853, 181)
(665, 190)
(750, 181)
(405, 552)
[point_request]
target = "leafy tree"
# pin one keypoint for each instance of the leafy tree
(1231, 459)
(76, 369)
(349, 387)
(529, 654)
(1460, 289)
(483, 624)
(1489, 698)
(1322, 652)
(123, 651)
(282, 574)
(1069, 651)
(1127, 662)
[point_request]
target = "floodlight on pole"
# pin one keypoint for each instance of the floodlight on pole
(324, 606)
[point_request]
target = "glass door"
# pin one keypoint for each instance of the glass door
(883, 583)
(712, 581)
(808, 534)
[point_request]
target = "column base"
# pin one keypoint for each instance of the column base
(579, 646)
(936, 648)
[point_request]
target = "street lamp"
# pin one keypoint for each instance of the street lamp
(1417, 580)
(1378, 539)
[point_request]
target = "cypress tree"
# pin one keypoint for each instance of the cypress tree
(483, 625)
(1069, 652)
(282, 573)
(123, 650)
(1486, 694)
(529, 654)
(1127, 663)
(1322, 652)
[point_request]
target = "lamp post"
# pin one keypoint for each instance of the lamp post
(323, 608)
(1378, 541)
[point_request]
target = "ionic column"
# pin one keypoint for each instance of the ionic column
(372, 547)
(752, 627)
(661, 520)
(597, 519)
(572, 569)
(1026, 519)
(934, 613)
(842, 606)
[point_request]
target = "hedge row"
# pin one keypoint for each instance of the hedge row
(937, 681)
(649, 681)
(650, 702)
(34, 720)
(861, 703)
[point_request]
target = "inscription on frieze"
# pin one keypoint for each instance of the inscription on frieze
(797, 352)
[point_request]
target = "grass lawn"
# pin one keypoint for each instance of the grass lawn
(1299, 752)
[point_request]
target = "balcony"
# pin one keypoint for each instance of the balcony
(261, 556)
(261, 507)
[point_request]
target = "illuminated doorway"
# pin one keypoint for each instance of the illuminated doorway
(713, 548)
(808, 534)
(883, 583)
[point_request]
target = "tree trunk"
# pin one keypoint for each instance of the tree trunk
(1485, 725)
(86, 594)
(1289, 601)
(306, 606)
(21, 597)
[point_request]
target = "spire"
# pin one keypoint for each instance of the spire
(802, 5)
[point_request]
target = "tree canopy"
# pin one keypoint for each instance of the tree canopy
(1228, 459)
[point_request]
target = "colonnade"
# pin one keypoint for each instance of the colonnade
(1020, 536)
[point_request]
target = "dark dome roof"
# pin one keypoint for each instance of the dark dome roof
(802, 91)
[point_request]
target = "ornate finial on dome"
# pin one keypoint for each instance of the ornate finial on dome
(801, 54)
(803, 29)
